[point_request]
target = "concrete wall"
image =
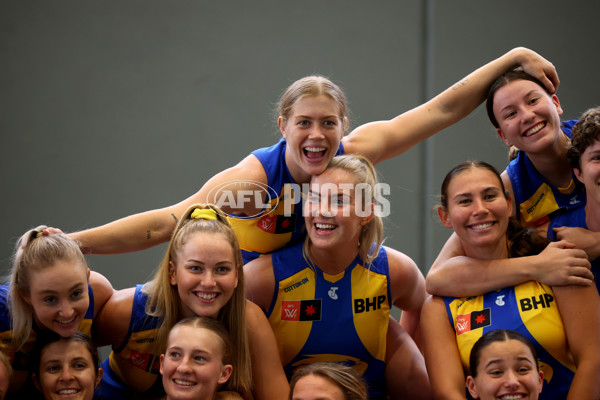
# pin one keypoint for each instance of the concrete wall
(116, 107)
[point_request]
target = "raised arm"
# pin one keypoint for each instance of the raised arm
(441, 352)
(147, 229)
(268, 376)
(582, 325)
(407, 286)
(454, 274)
(386, 139)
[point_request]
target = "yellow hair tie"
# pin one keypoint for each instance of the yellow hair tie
(203, 213)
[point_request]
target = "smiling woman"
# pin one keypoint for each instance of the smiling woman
(566, 336)
(197, 360)
(200, 275)
(67, 367)
(50, 289)
(312, 120)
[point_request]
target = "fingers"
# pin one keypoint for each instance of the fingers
(578, 281)
(562, 244)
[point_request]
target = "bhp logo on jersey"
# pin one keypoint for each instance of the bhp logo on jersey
(534, 302)
(368, 304)
(472, 320)
(301, 310)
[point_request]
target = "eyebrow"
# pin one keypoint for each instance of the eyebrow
(487, 189)
(51, 291)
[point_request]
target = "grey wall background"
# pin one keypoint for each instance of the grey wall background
(115, 107)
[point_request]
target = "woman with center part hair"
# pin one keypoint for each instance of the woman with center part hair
(542, 185)
(197, 360)
(200, 275)
(504, 365)
(50, 289)
(562, 323)
(67, 367)
(329, 298)
(312, 120)
(329, 381)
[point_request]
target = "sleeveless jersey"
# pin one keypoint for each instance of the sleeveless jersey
(21, 358)
(537, 200)
(528, 308)
(574, 218)
(139, 349)
(283, 223)
(341, 318)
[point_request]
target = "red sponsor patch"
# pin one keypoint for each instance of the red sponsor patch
(139, 360)
(290, 310)
(268, 223)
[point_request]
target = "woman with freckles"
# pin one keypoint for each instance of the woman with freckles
(562, 323)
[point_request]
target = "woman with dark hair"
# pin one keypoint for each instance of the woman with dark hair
(563, 323)
(504, 363)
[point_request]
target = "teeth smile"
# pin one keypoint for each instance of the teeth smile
(325, 226)
(535, 129)
(184, 383)
(66, 322)
(512, 396)
(206, 296)
(315, 149)
(67, 391)
(482, 226)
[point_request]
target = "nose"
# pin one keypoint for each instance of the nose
(66, 374)
(184, 366)
(66, 310)
(511, 380)
(208, 280)
(316, 132)
(480, 207)
(527, 114)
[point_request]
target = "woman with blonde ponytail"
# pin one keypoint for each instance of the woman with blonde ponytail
(329, 299)
(200, 275)
(50, 288)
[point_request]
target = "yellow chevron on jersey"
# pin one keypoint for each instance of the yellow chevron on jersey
(373, 286)
(257, 234)
(539, 205)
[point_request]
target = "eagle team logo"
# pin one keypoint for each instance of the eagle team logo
(472, 320)
(301, 310)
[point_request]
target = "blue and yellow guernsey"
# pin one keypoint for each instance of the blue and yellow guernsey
(275, 227)
(340, 318)
(528, 308)
(538, 201)
(21, 358)
(139, 351)
(574, 218)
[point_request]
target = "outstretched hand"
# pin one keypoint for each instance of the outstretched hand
(540, 68)
(562, 264)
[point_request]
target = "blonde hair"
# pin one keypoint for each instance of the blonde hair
(371, 235)
(40, 252)
(313, 85)
(164, 302)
